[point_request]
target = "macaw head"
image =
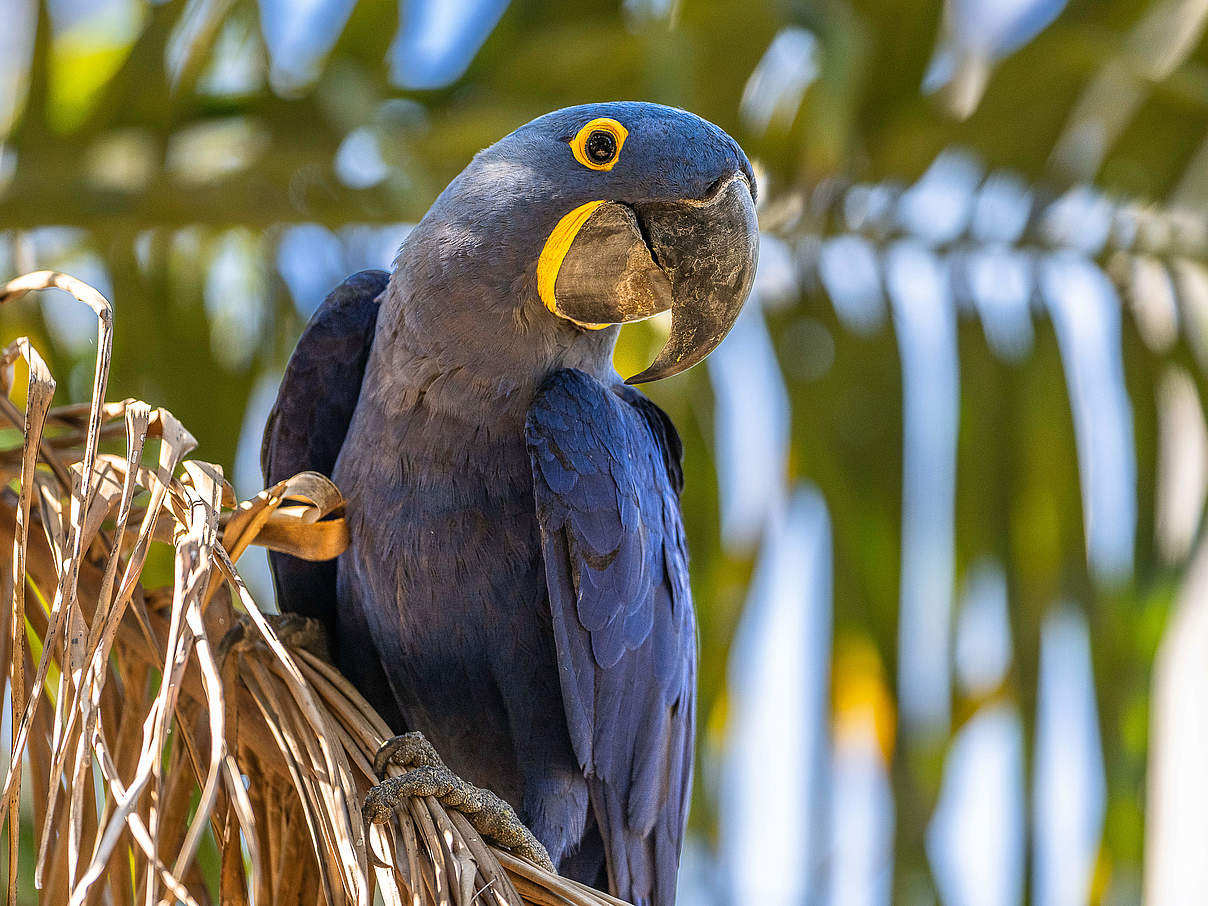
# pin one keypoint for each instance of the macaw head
(609, 213)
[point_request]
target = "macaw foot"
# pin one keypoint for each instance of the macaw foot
(293, 630)
(427, 775)
(296, 631)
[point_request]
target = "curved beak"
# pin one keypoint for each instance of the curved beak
(607, 263)
(709, 250)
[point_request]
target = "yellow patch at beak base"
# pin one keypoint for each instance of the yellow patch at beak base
(556, 247)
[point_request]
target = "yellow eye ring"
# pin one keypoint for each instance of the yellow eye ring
(598, 144)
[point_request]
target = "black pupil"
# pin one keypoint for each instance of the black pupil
(601, 146)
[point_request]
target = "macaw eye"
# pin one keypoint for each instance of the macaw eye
(601, 147)
(598, 144)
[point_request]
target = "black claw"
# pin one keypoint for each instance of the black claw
(374, 859)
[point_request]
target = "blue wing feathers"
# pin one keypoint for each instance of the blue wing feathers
(306, 430)
(607, 475)
(322, 381)
(310, 418)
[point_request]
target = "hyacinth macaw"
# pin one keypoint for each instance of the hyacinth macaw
(516, 586)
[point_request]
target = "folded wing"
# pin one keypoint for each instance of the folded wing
(607, 477)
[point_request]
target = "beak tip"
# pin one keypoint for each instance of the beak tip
(663, 367)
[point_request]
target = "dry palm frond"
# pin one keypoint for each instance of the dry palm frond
(152, 721)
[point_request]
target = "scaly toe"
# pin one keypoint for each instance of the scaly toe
(380, 802)
(410, 750)
(428, 780)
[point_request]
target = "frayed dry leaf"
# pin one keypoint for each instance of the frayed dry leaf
(202, 716)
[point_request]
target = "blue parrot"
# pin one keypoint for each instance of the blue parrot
(516, 585)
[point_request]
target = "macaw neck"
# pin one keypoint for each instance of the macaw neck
(455, 334)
